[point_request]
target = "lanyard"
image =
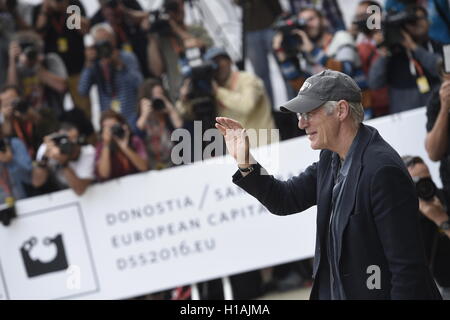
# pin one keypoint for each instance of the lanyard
(25, 137)
(414, 66)
(108, 74)
(59, 25)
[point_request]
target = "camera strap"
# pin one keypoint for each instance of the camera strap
(25, 136)
(123, 38)
(417, 71)
(59, 24)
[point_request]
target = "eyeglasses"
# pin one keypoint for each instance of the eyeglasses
(306, 116)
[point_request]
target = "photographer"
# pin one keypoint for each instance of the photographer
(14, 16)
(408, 60)
(119, 153)
(238, 94)
(304, 47)
(439, 16)
(435, 224)
(368, 52)
(438, 130)
(41, 77)
(127, 20)
(168, 38)
(157, 119)
(15, 168)
(21, 121)
(15, 174)
(115, 72)
(51, 21)
(63, 162)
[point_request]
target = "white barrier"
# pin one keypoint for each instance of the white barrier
(152, 231)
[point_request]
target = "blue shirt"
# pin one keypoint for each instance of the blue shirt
(18, 171)
(123, 87)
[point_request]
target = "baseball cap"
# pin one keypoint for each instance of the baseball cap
(215, 52)
(327, 85)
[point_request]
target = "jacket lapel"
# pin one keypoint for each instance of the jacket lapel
(349, 191)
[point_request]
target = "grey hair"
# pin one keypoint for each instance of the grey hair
(356, 110)
(101, 26)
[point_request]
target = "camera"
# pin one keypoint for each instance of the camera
(285, 25)
(3, 144)
(30, 50)
(393, 24)
(104, 49)
(159, 22)
(426, 189)
(112, 3)
(20, 106)
(361, 23)
(159, 19)
(200, 93)
(118, 131)
(7, 211)
(63, 142)
(201, 72)
(158, 104)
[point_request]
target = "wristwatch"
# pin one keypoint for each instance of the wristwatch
(445, 225)
(247, 170)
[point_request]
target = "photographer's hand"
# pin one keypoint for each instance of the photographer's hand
(146, 109)
(444, 95)
(139, 162)
(14, 52)
(307, 46)
(106, 136)
(178, 30)
(433, 210)
(7, 156)
(90, 56)
(277, 48)
(408, 41)
(123, 143)
(184, 90)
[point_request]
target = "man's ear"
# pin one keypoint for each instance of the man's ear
(343, 109)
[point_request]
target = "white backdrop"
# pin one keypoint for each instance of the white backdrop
(152, 231)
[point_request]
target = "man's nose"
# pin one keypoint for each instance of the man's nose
(302, 124)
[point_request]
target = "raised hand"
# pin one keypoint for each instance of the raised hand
(236, 140)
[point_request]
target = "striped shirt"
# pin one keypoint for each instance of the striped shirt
(120, 94)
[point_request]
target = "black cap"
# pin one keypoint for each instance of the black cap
(327, 85)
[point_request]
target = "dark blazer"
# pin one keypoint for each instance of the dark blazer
(379, 219)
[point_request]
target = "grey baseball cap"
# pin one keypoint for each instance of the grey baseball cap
(327, 85)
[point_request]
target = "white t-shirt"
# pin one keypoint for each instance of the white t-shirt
(83, 167)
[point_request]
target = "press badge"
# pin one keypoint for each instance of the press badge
(423, 85)
(63, 45)
(115, 105)
(127, 47)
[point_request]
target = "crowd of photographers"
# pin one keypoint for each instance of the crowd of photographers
(155, 74)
